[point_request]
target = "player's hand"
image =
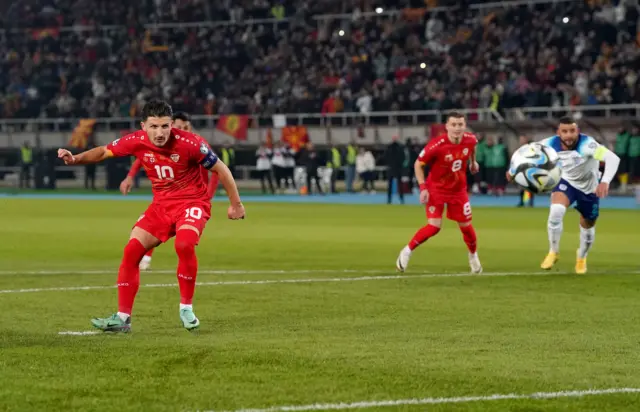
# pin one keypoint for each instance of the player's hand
(66, 155)
(424, 196)
(509, 177)
(126, 185)
(602, 190)
(236, 212)
(474, 167)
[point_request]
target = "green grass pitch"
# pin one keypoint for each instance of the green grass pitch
(299, 307)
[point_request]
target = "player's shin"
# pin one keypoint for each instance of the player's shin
(129, 277)
(186, 241)
(555, 226)
(587, 237)
(422, 235)
(469, 236)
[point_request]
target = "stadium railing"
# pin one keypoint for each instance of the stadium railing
(354, 119)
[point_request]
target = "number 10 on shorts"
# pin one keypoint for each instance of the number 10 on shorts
(193, 212)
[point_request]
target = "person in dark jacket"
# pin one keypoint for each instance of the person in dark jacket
(394, 159)
(310, 160)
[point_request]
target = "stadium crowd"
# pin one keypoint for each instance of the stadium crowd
(563, 53)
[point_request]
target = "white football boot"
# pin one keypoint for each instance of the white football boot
(403, 259)
(474, 263)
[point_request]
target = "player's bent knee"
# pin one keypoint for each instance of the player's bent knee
(587, 223)
(559, 198)
(435, 222)
(145, 238)
(556, 214)
(186, 241)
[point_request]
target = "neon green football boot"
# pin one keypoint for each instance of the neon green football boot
(112, 324)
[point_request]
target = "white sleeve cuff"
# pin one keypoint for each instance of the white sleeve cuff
(611, 163)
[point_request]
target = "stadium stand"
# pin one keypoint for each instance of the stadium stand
(102, 59)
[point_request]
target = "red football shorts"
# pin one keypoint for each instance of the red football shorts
(162, 220)
(458, 206)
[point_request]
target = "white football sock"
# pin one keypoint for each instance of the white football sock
(146, 258)
(183, 306)
(587, 237)
(123, 316)
(638, 194)
(554, 226)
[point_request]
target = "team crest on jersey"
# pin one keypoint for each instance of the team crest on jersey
(432, 209)
(175, 157)
(449, 158)
(465, 151)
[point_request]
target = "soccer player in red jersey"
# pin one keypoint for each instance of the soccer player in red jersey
(181, 205)
(447, 156)
(181, 121)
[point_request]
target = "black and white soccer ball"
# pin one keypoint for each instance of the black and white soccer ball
(536, 168)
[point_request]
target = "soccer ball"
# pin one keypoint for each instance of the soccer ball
(536, 168)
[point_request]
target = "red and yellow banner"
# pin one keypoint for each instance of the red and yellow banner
(295, 136)
(81, 133)
(234, 125)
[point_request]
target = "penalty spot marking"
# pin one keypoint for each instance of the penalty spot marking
(436, 401)
(79, 333)
(302, 280)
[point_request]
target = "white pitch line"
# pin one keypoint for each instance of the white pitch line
(435, 401)
(203, 271)
(80, 333)
(281, 281)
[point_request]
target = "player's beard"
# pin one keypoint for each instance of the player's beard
(569, 144)
(455, 137)
(160, 140)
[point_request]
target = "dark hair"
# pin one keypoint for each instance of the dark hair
(156, 108)
(566, 120)
(184, 116)
(454, 114)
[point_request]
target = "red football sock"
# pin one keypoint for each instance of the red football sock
(150, 252)
(422, 235)
(186, 241)
(469, 236)
(129, 275)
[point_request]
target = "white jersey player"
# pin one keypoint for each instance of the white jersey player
(579, 159)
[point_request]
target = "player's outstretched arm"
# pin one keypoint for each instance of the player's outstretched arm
(418, 168)
(95, 155)
(127, 183)
(236, 210)
(611, 164)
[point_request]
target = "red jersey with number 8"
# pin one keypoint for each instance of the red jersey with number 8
(175, 169)
(448, 163)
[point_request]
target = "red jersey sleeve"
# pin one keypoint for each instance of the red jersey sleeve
(430, 152)
(125, 146)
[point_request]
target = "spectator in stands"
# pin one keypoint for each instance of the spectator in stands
(263, 167)
(496, 162)
(310, 160)
(26, 163)
(279, 162)
(395, 161)
(365, 167)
